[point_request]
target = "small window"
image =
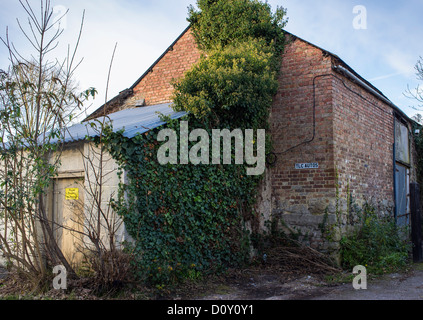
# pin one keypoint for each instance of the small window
(402, 143)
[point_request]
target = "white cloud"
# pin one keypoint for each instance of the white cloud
(387, 76)
(385, 52)
(401, 61)
(143, 30)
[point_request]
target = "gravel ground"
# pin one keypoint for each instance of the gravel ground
(390, 287)
(404, 286)
(397, 286)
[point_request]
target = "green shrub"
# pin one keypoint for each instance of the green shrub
(376, 243)
(219, 23)
(232, 87)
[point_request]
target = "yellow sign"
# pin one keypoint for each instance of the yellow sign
(72, 194)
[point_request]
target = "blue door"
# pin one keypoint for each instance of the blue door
(402, 195)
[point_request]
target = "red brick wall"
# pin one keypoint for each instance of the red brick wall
(156, 86)
(363, 143)
(353, 143)
(292, 124)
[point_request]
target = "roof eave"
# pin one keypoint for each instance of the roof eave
(367, 85)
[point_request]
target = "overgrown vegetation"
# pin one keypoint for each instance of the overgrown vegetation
(375, 242)
(416, 95)
(187, 220)
(365, 235)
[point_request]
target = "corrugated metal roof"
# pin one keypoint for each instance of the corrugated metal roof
(132, 121)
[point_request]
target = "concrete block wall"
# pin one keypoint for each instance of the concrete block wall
(81, 160)
(102, 168)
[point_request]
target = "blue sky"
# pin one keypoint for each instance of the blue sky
(384, 53)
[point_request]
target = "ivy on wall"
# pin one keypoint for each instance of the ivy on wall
(188, 219)
(185, 219)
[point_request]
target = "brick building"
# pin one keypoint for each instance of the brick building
(337, 139)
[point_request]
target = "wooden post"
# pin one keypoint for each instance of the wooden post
(416, 225)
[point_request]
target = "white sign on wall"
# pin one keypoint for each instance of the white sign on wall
(301, 166)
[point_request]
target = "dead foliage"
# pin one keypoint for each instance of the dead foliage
(112, 271)
(298, 258)
(283, 260)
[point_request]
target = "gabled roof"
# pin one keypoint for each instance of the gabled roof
(343, 68)
(170, 48)
(132, 121)
(346, 70)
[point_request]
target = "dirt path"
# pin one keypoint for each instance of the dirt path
(390, 287)
(268, 286)
(407, 286)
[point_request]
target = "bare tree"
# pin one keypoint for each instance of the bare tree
(417, 93)
(100, 222)
(37, 101)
